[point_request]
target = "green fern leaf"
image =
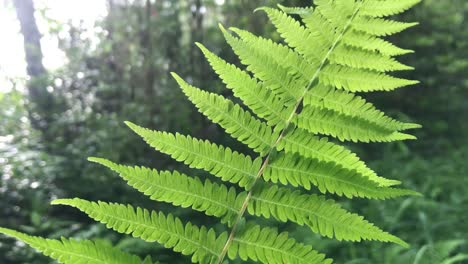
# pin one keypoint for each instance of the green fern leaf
(341, 14)
(379, 8)
(321, 28)
(379, 26)
(302, 11)
(297, 36)
(268, 246)
(328, 177)
(369, 42)
(180, 190)
(362, 34)
(359, 80)
(276, 65)
(321, 215)
(301, 142)
(297, 89)
(188, 239)
(343, 127)
(341, 77)
(282, 54)
(253, 94)
(352, 105)
(70, 251)
(360, 59)
(202, 243)
(216, 200)
(237, 122)
(287, 56)
(220, 161)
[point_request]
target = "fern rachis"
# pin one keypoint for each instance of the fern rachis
(294, 94)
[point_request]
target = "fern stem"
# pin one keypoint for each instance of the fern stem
(246, 201)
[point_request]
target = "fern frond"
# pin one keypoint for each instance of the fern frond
(188, 239)
(381, 8)
(293, 91)
(369, 42)
(220, 161)
(270, 67)
(268, 246)
(237, 122)
(302, 11)
(328, 177)
(359, 80)
(253, 94)
(341, 77)
(362, 33)
(180, 190)
(321, 28)
(298, 37)
(322, 215)
(285, 55)
(301, 142)
(352, 105)
(379, 26)
(362, 59)
(344, 127)
(340, 13)
(71, 251)
(294, 62)
(202, 243)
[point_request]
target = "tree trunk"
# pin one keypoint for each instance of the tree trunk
(148, 46)
(32, 37)
(196, 30)
(41, 100)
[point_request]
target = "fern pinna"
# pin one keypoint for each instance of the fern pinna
(294, 95)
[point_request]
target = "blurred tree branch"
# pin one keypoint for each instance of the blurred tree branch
(32, 37)
(40, 98)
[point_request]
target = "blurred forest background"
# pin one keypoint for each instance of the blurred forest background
(117, 68)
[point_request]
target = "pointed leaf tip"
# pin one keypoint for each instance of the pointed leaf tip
(221, 27)
(60, 201)
(101, 161)
(262, 8)
(131, 125)
(402, 243)
(176, 77)
(412, 193)
(202, 47)
(8, 232)
(199, 45)
(94, 159)
(234, 29)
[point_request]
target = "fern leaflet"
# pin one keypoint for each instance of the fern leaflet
(70, 251)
